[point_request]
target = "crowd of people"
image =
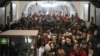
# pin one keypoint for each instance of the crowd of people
(62, 35)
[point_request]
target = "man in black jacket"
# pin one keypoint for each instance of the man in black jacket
(95, 40)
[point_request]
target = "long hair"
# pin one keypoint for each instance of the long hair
(61, 52)
(70, 37)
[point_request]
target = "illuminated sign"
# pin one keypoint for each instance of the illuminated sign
(4, 40)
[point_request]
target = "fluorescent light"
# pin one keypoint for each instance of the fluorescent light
(29, 40)
(86, 5)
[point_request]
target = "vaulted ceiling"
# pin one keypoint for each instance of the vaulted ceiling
(45, 7)
(94, 2)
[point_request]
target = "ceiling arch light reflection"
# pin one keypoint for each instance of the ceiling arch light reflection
(48, 5)
(45, 7)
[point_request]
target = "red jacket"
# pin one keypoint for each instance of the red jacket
(65, 18)
(82, 53)
(46, 40)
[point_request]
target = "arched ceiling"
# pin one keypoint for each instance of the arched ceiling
(94, 2)
(45, 7)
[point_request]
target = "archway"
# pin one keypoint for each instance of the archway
(49, 7)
